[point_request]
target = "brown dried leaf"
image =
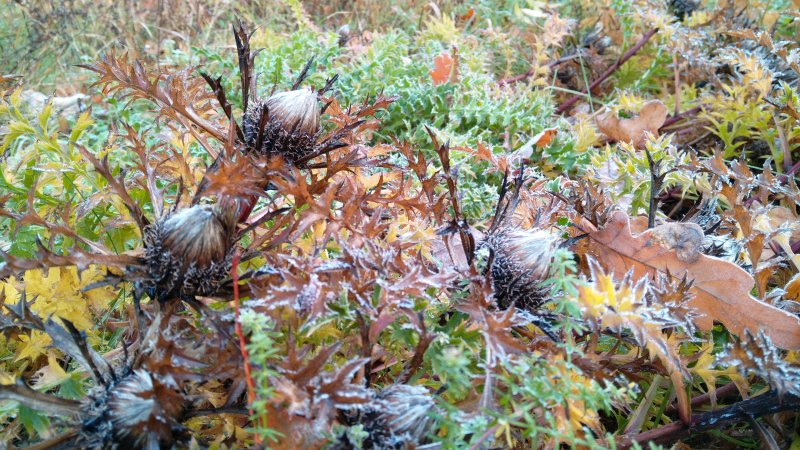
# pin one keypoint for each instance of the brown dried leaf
(721, 289)
(650, 119)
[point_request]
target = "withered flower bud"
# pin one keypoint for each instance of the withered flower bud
(399, 417)
(407, 411)
(286, 124)
(144, 412)
(521, 261)
(190, 251)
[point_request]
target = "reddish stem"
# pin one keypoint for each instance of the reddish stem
(680, 116)
(721, 392)
(251, 386)
(635, 49)
(246, 206)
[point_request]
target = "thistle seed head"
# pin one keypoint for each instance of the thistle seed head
(521, 261)
(297, 110)
(201, 234)
(290, 121)
(189, 252)
(407, 411)
(399, 417)
(138, 412)
(143, 411)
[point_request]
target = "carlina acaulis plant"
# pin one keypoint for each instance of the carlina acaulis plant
(140, 411)
(189, 252)
(518, 259)
(286, 123)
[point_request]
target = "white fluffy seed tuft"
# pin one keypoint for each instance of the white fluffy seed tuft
(532, 250)
(199, 234)
(297, 110)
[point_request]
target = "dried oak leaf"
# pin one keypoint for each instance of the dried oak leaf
(633, 130)
(721, 289)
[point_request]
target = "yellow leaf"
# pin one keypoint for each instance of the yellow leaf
(58, 293)
(50, 375)
(33, 346)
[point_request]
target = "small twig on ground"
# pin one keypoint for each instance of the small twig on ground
(787, 154)
(762, 405)
(677, 73)
(425, 340)
(635, 49)
(680, 116)
(532, 70)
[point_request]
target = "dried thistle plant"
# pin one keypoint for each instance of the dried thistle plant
(138, 401)
(518, 259)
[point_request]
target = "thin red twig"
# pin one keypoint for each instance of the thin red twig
(635, 49)
(680, 116)
(251, 386)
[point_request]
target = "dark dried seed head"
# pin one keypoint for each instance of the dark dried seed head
(407, 411)
(189, 252)
(521, 261)
(290, 121)
(399, 417)
(138, 412)
(683, 8)
(144, 411)
(200, 234)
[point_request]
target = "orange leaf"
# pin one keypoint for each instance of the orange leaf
(444, 69)
(539, 141)
(544, 138)
(721, 289)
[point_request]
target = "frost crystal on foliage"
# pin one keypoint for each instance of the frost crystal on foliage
(757, 355)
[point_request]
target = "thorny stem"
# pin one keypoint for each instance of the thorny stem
(635, 49)
(762, 405)
(656, 183)
(460, 222)
(251, 387)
